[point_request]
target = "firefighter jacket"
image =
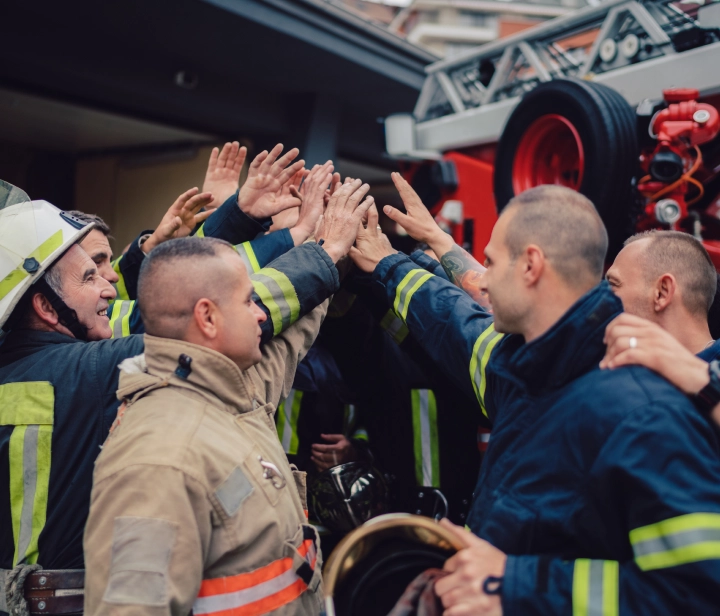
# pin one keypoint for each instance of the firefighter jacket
(422, 429)
(124, 313)
(194, 505)
(318, 403)
(601, 485)
(57, 403)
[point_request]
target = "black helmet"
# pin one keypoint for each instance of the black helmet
(370, 568)
(345, 496)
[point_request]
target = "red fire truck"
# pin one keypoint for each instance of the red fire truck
(618, 101)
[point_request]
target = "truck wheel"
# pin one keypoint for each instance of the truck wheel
(577, 134)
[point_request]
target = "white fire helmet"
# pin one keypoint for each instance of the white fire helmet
(33, 235)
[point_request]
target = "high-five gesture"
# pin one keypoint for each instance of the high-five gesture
(265, 193)
(181, 218)
(418, 222)
(312, 194)
(343, 217)
(223, 173)
(371, 245)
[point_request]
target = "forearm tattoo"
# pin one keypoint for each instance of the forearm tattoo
(465, 272)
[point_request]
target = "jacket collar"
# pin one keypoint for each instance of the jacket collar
(211, 372)
(569, 349)
(20, 343)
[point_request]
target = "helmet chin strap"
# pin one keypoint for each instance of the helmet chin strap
(66, 315)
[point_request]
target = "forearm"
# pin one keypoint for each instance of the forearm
(127, 267)
(292, 285)
(231, 224)
(465, 273)
(261, 251)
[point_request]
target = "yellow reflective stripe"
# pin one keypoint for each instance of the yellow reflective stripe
(29, 462)
(120, 287)
(247, 254)
(278, 294)
(361, 435)
(677, 541)
(287, 422)
(425, 437)
(42, 252)
(596, 588)
(412, 281)
(201, 231)
(120, 317)
(394, 326)
(341, 302)
(482, 349)
(28, 403)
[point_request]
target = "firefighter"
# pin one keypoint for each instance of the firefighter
(599, 490)
(423, 430)
(57, 360)
(667, 277)
(216, 521)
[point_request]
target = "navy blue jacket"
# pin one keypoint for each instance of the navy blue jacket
(81, 380)
(603, 487)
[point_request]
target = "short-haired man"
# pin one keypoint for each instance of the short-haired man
(215, 522)
(598, 493)
(668, 278)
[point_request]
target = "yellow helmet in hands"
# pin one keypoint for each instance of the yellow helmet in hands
(33, 236)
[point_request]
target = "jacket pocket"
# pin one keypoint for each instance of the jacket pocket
(510, 525)
(300, 478)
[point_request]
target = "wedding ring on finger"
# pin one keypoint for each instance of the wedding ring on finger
(633, 342)
(379, 228)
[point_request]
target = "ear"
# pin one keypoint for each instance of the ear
(206, 316)
(533, 264)
(664, 292)
(44, 310)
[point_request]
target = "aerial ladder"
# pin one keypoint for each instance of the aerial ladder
(619, 101)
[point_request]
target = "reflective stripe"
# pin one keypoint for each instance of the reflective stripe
(287, 423)
(201, 231)
(247, 254)
(120, 288)
(120, 317)
(596, 588)
(256, 592)
(413, 280)
(278, 294)
(394, 326)
(349, 419)
(341, 303)
(41, 253)
(425, 438)
(478, 363)
(361, 435)
(677, 541)
(30, 408)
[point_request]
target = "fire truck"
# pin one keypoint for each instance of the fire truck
(619, 101)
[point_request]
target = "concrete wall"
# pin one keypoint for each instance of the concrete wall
(133, 194)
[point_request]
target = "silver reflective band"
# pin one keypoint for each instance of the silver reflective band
(30, 470)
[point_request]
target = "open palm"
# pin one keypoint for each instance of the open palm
(223, 173)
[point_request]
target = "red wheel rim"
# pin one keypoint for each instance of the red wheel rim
(550, 152)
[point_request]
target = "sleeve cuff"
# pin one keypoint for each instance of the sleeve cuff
(385, 269)
(233, 225)
(428, 263)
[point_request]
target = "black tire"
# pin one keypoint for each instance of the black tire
(605, 123)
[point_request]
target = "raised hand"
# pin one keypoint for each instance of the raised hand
(265, 193)
(312, 193)
(418, 222)
(335, 183)
(182, 217)
(223, 173)
(343, 217)
(371, 244)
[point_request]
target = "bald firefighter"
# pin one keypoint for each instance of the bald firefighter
(194, 505)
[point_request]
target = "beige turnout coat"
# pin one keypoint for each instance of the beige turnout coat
(194, 505)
